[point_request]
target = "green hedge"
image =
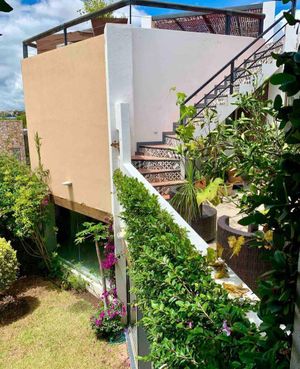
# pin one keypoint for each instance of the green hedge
(185, 312)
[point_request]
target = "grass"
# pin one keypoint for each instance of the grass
(54, 333)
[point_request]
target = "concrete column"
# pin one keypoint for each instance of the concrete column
(269, 8)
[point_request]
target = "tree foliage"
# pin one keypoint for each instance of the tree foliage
(90, 6)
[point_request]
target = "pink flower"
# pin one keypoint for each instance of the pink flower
(190, 324)
(98, 322)
(226, 328)
(114, 292)
(45, 201)
(110, 261)
(105, 294)
(109, 247)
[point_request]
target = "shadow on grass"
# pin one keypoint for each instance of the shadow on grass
(14, 308)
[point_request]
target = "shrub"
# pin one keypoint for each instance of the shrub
(190, 320)
(64, 277)
(8, 264)
(23, 205)
(72, 281)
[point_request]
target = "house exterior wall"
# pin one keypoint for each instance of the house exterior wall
(12, 138)
(65, 99)
(152, 62)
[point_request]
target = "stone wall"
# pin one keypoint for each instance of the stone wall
(12, 138)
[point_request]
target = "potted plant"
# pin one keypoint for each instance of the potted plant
(98, 24)
(193, 203)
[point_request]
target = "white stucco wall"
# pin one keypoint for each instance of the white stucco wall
(144, 64)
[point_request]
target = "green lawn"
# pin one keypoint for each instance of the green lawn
(54, 333)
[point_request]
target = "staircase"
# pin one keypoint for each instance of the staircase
(158, 162)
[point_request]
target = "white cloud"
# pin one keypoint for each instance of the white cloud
(24, 22)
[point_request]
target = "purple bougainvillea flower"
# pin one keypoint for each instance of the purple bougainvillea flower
(105, 294)
(98, 322)
(109, 247)
(45, 201)
(115, 292)
(102, 315)
(190, 324)
(226, 329)
(109, 261)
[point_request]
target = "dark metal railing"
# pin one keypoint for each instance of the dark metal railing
(145, 3)
(235, 69)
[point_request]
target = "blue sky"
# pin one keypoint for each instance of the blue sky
(212, 3)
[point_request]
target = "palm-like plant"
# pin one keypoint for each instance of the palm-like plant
(189, 200)
(185, 199)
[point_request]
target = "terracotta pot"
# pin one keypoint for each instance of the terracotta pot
(226, 190)
(201, 183)
(232, 178)
(206, 224)
(98, 24)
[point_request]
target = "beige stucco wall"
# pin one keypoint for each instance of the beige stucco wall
(65, 100)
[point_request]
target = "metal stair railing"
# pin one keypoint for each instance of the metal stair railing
(228, 13)
(235, 70)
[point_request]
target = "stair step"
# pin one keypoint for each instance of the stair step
(157, 171)
(156, 163)
(151, 158)
(161, 175)
(212, 96)
(168, 183)
(166, 187)
(158, 146)
(171, 140)
(159, 150)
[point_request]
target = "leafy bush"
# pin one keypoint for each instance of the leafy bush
(71, 281)
(23, 204)
(190, 320)
(66, 279)
(107, 321)
(8, 264)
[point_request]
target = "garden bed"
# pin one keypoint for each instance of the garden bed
(50, 329)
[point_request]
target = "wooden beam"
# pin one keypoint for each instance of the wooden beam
(82, 209)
